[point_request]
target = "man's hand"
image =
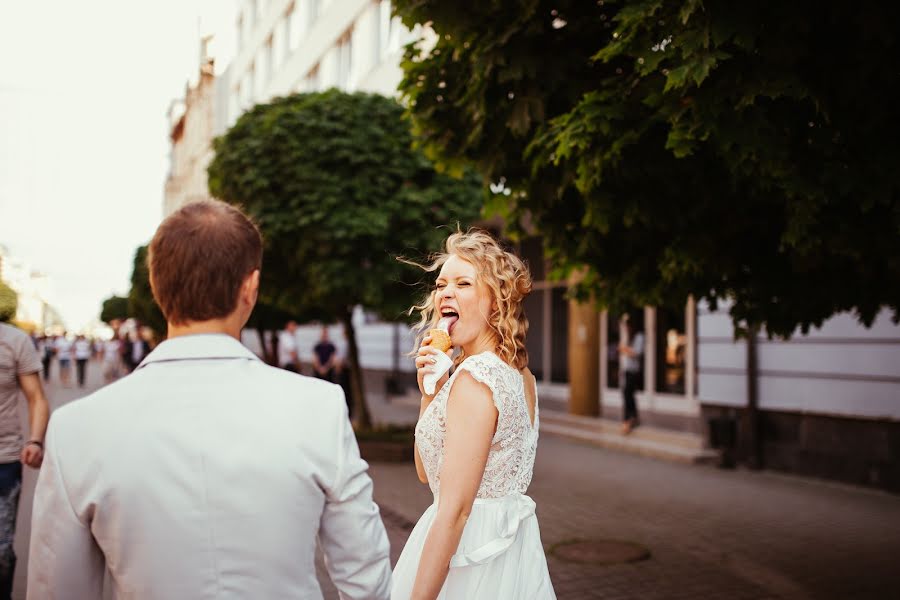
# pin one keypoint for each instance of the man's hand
(32, 455)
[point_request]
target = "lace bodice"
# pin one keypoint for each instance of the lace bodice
(511, 458)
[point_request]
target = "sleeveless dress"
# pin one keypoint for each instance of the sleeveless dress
(500, 555)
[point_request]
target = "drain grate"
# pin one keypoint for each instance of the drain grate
(599, 552)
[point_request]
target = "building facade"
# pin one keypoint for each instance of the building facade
(287, 46)
(824, 404)
(192, 122)
(33, 288)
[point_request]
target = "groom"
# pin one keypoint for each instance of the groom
(205, 473)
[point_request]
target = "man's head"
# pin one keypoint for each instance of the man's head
(324, 335)
(291, 326)
(204, 264)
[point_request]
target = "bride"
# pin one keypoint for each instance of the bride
(476, 437)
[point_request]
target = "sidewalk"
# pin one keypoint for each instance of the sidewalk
(712, 533)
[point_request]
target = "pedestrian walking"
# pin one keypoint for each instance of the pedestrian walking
(205, 473)
(632, 352)
(324, 357)
(112, 359)
(134, 349)
(20, 368)
(288, 355)
(477, 435)
(64, 356)
(46, 350)
(82, 351)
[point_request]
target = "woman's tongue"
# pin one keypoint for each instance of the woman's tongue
(446, 323)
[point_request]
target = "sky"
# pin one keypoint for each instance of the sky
(84, 90)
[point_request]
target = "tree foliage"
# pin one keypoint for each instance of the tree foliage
(114, 308)
(338, 192)
(141, 304)
(9, 303)
(739, 151)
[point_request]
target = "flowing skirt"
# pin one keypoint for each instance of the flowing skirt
(500, 555)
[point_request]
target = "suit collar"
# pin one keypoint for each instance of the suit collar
(209, 346)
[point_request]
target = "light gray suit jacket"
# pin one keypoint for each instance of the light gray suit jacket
(205, 474)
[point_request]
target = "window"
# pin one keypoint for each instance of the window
(671, 350)
(259, 86)
(532, 252)
(284, 42)
(249, 87)
(389, 30)
(298, 24)
(267, 60)
(534, 341)
(559, 369)
(312, 79)
(345, 60)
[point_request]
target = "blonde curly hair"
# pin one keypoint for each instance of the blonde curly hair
(506, 277)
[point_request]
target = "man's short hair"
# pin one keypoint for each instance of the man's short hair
(198, 259)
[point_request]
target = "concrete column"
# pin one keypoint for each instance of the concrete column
(690, 362)
(649, 356)
(584, 359)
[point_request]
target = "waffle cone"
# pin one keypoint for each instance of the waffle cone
(440, 339)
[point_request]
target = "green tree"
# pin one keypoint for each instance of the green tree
(339, 193)
(114, 308)
(739, 151)
(9, 303)
(141, 304)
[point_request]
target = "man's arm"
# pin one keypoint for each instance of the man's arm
(353, 538)
(38, 415)
(64, 561)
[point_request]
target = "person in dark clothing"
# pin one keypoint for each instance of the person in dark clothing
(324, 358)
(632, 351)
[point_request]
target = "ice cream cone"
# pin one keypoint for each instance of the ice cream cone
(440, 339)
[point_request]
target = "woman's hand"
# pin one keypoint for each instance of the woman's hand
(425, 362)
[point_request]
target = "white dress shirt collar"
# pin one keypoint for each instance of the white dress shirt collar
(206, 346)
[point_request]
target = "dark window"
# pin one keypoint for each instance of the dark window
(534, 343)
(559, 370)
(532, 252)
(612, 350)
(671, 349)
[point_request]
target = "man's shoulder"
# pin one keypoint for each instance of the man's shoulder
(290, 381)
(12, 334)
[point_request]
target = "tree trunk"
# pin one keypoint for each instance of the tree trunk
(754, 443)
(360, 409)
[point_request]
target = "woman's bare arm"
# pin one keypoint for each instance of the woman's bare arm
(471, 422)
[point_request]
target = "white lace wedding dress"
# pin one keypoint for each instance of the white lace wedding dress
(500, 555)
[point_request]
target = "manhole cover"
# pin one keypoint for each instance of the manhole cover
(599, 552)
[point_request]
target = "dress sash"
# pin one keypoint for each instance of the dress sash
(514, 509)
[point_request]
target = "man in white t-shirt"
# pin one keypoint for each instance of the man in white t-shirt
(288, 357)
(20, 371)
(64, 355)
(82, 349)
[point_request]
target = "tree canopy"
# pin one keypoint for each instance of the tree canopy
(141, 304)
(114, 308)
(739, 151)
(338, 192)
(9, 303)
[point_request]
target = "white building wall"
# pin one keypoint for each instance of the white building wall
(840, 369)
(305, 37)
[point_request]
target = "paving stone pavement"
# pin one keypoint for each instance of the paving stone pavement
(711, 533)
